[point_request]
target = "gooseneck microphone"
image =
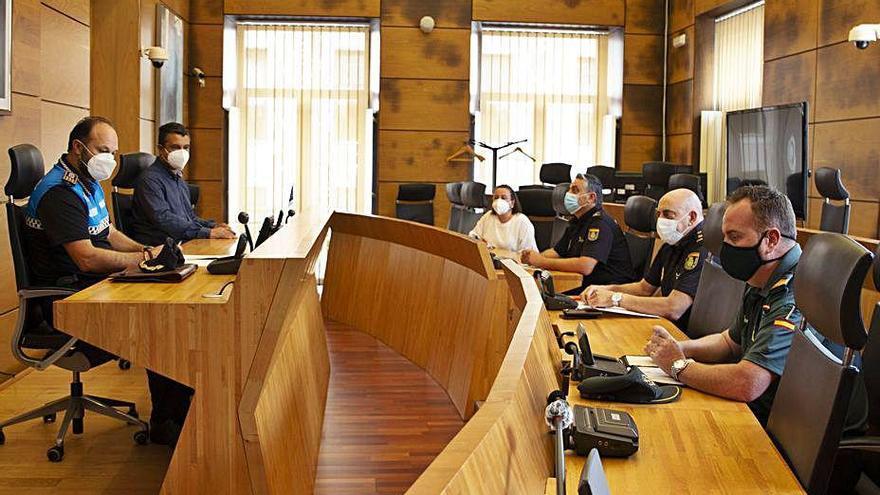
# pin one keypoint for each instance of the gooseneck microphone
(243, 219)
(559, 417)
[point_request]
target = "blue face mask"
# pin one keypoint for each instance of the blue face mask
(571, 202)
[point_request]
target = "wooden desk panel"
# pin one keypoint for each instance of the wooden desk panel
(698, 444)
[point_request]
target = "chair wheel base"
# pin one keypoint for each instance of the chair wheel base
(49, 418)
(124, 364)
(2, 437)
(77, 426)
(141, 437)
(56, 453)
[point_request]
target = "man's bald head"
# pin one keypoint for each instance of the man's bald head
(682, 205)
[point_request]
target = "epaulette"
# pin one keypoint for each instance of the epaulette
(70, 178)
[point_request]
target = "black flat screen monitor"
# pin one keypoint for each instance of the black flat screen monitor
(768, 146)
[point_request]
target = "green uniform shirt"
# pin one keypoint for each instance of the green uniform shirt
(765, 326)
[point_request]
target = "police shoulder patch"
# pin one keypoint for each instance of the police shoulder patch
(692, 260)
(70, 177)
(592, 234)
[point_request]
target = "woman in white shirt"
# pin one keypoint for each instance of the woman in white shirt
(504, 226)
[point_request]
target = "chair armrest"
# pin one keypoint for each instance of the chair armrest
(25, 295)
(864, 444)
(37, 292)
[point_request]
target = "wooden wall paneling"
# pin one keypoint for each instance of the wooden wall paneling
(644, 16)
(681, 60)
(424, 105)
(26, 21)
(853, 148)
(64, 59)
(206, 11)
(680, 108)
(179, 7)
(588, 12)
(212, 199)
(56, 122)
(387, 195)
(790, 26)
(23, 125)
(681, 14)
(206, 105)
(323, 8)
(837, 17)
(407, 13)
(642, 109)
(848, 83)
(77, 9)
(206, 155)
(679, 148)
(864, 217)
(716, 8)
(206, 48)
(791, 79)
(8, 364)
(410, 53)
(421, 156)
(642, 59)
(8, 296)
(636, 150)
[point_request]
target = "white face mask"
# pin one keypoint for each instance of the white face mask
(501, 206)
(178, 159)
(101, 165)
(667, 230)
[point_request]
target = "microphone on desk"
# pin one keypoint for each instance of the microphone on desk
(244, 218)
(291, 212)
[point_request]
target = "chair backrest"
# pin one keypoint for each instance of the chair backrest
(560, 223)
(719, 296)
(416, 202)
(835, 218)
(687, 181)
(640, 218)
(131, 166)
(473, 198)
(537, 204)
(453, 193)
(607, 176)
(656, 175)
(194, 193)
(555, 173)
(827, 291)
(26, 170)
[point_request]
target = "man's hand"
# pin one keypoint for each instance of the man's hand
(597, 296)
(663, 349)
(220, 232)
(530, 257)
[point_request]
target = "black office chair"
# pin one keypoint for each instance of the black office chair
(194, 192)
(719, 296)
(687, 181)
(34, 330)
(416, 202)
(555, 173)
(537, 204)
(640, 217)
(560, 222)
(656, 175)
(473, 198)
(131, 165)
(453, 193)
(607, 176)
(835, 218)
(811, 403)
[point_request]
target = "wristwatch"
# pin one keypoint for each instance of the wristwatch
(678, 366)
(616, 298)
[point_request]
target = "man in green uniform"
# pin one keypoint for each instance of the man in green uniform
(745, 362)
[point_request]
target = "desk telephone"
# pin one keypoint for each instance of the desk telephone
(229, 265)
(552, 300)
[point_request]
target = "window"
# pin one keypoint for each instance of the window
(301, 119)
(739, 59)
(555, 88)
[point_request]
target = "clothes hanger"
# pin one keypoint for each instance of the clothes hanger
(518, 150)
(466, 149)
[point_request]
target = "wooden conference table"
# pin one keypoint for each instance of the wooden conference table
(256, 356)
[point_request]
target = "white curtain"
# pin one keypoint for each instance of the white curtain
(300, 119)
(552, 88)
(738, 81)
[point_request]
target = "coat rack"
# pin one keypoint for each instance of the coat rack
(495, 150)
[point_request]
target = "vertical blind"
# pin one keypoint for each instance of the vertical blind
(550, 87)
(300, 119)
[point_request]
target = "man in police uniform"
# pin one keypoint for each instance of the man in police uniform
(592, 245)
(675, 270)
(745, 362)
(71, 243)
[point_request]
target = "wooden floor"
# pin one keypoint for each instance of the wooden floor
(386, 419)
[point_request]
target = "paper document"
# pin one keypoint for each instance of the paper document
(659, 376)
(640, 361)
(618, 311)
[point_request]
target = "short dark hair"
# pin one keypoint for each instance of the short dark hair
(516, 207)
(770, 207)
(171, 128)
(83, 128)
(593, 185)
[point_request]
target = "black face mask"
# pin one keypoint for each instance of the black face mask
(741, 263)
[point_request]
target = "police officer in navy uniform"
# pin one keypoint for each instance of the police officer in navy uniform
(746, 361)
(592, 245)
(71, 243)
(676, 268)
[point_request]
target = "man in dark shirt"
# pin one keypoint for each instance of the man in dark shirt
(592, 245)
(71, 243)
(675, 270)
(161, 206)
